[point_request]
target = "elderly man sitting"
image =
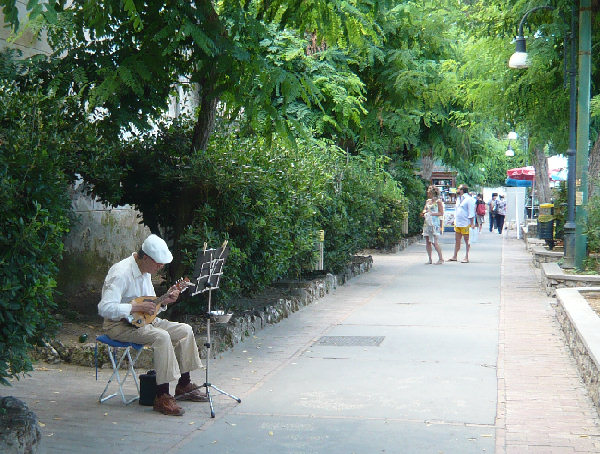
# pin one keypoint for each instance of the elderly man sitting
(175, 349)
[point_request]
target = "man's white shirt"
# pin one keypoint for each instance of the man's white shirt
(465, 211)
(123, 283)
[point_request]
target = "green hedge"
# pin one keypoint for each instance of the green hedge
(266, 197)
(269, 200)
(35, 207)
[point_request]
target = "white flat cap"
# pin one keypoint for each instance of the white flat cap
(156, 248)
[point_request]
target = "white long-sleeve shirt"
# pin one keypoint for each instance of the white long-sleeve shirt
(123, 283)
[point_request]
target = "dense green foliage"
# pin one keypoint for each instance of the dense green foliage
(592, 227)
(268, 201)
(34, 131)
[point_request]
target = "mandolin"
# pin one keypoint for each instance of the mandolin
(140, 319)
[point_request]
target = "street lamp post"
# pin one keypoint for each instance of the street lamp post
(583, 127)
(570, 225)
(509, 151)
(520, 60)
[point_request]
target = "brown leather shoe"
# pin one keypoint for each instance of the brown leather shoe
(166, 404)
(191, 392)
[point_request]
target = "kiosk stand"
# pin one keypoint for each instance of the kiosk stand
(208, 272)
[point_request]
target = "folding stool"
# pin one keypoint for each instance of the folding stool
(113, 353)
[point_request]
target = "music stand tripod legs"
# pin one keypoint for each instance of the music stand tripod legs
(208, 272)
(207, 384)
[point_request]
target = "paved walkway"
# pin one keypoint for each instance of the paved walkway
(408, 358)
(543, 406)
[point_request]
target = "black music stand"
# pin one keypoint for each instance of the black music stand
(208, 272)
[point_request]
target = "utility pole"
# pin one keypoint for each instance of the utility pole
(583, 127)
(570, 224)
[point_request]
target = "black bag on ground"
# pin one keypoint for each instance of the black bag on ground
(148, 388)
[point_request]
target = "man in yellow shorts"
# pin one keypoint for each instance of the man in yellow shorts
(464, 218)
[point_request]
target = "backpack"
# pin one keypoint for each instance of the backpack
(480, 209)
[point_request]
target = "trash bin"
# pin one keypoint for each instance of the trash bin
(545, 224)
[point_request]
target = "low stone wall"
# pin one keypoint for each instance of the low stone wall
(534, 242)
(553, 277)
(581, 326)
(404, 243)
(542, 255)
(223, 336)
(529, 230)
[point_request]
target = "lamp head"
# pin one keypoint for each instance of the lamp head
(509, 152)
(519, 60)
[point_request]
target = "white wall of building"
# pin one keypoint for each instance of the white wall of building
(25, 40)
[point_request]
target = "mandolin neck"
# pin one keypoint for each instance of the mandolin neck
(159, 301)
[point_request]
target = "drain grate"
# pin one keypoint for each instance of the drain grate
(350, 341)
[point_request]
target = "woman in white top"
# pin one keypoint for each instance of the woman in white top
(433, 212)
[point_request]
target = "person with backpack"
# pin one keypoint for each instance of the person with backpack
(500, 213)
(491, 208)
(480, 211)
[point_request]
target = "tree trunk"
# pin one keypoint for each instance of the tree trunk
(427, 166)
(209, 96)
(184, 209)
(594, 168)
(542, 185)
(206, 120)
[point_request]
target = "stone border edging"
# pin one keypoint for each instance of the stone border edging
(534, 242)
(581, 326)
(542, 255)
(529, 230)
(553, 277)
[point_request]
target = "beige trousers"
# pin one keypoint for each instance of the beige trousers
(175, 349)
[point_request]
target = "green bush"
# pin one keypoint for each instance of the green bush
(263, 199)
(266, 198)
(592, 226)
(415, 192)
(35, 209)
(367, 211)
(270, 200)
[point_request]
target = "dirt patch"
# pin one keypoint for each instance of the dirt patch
(593, 300)
(70, 332)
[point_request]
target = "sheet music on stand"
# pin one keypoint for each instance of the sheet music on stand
(209, 268)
